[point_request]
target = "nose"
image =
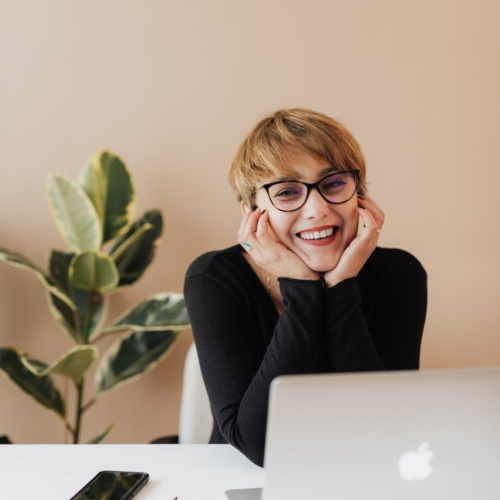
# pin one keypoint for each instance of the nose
(316, 207)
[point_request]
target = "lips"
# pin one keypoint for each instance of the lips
(320, 242)
(312, 229)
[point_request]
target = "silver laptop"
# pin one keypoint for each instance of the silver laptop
(429, 434)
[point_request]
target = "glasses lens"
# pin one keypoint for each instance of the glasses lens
(288, 195)
(338, 188)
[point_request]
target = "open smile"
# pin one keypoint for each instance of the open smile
(319, 236)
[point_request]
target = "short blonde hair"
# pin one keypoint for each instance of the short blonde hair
(265, 149)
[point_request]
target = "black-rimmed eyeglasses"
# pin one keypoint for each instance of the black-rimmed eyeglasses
(336, 188)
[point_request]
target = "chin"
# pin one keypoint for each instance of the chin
(323, 265)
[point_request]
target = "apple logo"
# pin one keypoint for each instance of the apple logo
(415, 464)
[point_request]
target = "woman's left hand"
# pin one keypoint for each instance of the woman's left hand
(361, 247)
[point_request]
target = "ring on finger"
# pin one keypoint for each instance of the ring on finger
(378, 230)
(246, 245)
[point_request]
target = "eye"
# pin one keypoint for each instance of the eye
(334, 185)
(287, 192)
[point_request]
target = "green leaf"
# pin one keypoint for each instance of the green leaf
(163, 311)
(58, 269)
(42, 389)
(128, 243)
(74, 214)
(133, 261)
(5, 440)
(132, 356)
(74, 321)
(108, 184)
(93, 270)
(35, 366)
(18, 260)
(102, 434)
(74, 363)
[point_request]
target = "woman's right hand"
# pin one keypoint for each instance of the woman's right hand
(267, 252)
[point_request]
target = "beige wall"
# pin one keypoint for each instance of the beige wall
(173, 86)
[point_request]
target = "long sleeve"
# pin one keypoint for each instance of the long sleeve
(350, 347)
(236, 376)
(395, 342)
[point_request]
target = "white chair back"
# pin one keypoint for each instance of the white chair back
(196, 420)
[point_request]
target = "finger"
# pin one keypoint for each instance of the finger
(251, 225)
(370, 229)
(262, 225)
(374, 209)
(248, 233)
(243, 223)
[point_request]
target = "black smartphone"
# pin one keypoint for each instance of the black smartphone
(113, 485)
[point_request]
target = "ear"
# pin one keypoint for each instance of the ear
(244, 208)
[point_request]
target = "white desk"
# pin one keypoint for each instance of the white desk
(190, 472)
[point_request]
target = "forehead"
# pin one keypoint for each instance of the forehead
(301, 166)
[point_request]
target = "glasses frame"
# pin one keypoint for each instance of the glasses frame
(309, 186)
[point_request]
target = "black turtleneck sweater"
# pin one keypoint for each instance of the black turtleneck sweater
(372, 322)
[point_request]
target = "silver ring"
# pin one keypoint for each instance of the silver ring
(246, 245)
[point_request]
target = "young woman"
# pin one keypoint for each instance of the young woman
(302, 292)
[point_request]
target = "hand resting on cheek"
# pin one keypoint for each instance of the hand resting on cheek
(357, 253)
(267, 252)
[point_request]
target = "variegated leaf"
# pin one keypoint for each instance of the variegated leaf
(93, 270)
(18, 260)
(134, 260)
(132, 356)
(73, 321)
(74, 363)
(108, 184)
(128, 243)
(163, 311)
(74, 214)
(41, 389)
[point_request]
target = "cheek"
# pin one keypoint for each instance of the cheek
(351, 225)
(280, 227)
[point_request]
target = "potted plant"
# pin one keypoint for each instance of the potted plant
(95, 210)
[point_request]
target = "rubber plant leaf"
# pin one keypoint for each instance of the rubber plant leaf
(91, 270)
(132, 261)
(74, 363)
(41, 389)
(163, 311)
(131, 357)
(108, 184)
(73, 321)
(17, 260)
(74, 214)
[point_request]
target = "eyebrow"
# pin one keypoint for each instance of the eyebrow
(322, 174)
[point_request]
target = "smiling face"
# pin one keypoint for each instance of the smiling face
(315, 215)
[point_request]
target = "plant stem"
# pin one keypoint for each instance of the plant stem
(70, 429)
(88, 405)
(80, 383)
(65, 435)
(76, 434)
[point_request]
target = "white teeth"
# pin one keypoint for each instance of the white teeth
(316, 235)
